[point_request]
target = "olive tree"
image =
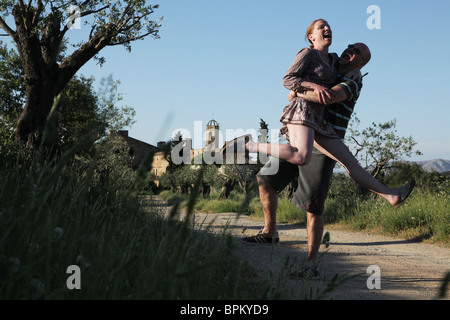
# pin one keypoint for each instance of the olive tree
(39, 30)
(379, 146)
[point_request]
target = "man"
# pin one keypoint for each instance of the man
(313, 179)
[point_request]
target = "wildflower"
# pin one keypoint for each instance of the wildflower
(37, 289)
(7, 265)
(34, 247)
(15, 263)
(58, 233)
(86, 263)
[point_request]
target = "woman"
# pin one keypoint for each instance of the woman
(303, 122)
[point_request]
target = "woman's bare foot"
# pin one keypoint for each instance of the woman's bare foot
(237, 144)
(251, 146)
(402, 194)
(394, 198)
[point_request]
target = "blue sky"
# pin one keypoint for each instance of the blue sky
(226, 60)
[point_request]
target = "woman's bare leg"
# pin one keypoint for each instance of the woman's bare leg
(298, 151)
(337, 150)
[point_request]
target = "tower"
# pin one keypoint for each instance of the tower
(212, 134)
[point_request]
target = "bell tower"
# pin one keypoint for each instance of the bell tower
(212, 134)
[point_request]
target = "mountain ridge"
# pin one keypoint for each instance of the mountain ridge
(437, 165)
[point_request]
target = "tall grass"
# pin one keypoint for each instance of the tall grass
(55, 215)
(424, 216)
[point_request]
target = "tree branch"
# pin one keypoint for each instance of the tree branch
(77, 59)
(124, 13)
(131, 39)
(360, 145)
(4, 26)
(92, 30)
(86, 13)
(29, 4)
(39, 9)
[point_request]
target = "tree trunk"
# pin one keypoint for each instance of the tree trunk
(244, 187)
(31, 123)
(226, 189)
(39, 69)
(206, 190)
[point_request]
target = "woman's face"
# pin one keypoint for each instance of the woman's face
(321, 35)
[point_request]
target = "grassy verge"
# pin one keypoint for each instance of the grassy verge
(425, 216)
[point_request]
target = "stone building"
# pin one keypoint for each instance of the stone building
(160, 164)
(212, 134)
(140, 149)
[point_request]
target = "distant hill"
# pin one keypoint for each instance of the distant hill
(438, 165)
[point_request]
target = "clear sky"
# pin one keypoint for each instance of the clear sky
(226, 60)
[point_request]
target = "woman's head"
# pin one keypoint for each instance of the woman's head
(319, 34)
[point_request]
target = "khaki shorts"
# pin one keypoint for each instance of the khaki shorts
(312, 181)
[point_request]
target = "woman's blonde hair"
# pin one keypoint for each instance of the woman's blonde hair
(311, 29)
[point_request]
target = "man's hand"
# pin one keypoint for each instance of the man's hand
(339, 94)
(324, 95)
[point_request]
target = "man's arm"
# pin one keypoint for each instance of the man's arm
(319, 93)
(340, 94)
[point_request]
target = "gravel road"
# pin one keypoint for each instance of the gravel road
(408, 270)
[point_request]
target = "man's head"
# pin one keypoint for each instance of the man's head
(356, 55)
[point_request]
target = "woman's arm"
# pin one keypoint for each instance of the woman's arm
(339, 94)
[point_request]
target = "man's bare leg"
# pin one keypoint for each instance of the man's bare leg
(269, 202)
(314, 229)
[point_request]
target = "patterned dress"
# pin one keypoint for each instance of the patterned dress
(309, 66)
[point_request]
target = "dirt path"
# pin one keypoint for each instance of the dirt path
(408, 270)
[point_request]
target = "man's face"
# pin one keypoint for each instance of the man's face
(355, 55)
